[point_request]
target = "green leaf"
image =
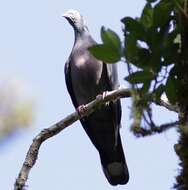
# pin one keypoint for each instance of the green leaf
(105, 53)
(170, 50)
(171, 90)
(109, 37)
(140, 77)
(134, 27)
(110, 51)
(147, 16)
(144, 58)
(137, 55)
(162, 13)
(131, 48)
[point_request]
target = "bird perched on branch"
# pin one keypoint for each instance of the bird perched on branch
(86, 77)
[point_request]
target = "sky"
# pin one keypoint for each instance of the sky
(35, 42)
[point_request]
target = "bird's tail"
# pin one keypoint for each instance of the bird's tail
(115, 168)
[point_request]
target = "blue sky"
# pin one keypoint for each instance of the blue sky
(35, 42)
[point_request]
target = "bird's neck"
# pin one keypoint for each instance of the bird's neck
(81, 33)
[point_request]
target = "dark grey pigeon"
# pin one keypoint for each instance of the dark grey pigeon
(86, 77)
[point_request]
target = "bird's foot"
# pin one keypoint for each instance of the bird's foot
(81, 110)
(104, 94)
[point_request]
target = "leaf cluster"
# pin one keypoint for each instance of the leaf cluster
(151, 44)
(155, 49)
(152, 50)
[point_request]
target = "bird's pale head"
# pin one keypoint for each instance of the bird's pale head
(75, 19)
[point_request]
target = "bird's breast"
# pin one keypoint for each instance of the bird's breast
(86, 73)
(87, 68)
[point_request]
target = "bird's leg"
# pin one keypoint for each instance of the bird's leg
(81, 110)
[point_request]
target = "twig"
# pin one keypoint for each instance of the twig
(182, 10)
(167, 105)
(142, 132)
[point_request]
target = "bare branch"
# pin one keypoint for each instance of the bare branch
(33, 151)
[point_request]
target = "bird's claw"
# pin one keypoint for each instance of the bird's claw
(104, 94)
(81, 110)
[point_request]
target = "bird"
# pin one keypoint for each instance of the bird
(86, 77)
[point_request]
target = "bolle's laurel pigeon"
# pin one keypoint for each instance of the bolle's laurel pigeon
(86, 77)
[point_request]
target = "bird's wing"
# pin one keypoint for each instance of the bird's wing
(115, 106)
(112, 75)
(112, 78)
(67, 71)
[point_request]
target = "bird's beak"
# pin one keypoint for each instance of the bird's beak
(66, 15)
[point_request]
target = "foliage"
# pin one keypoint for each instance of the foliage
(155, 49)
(110, 50)
(152, 52)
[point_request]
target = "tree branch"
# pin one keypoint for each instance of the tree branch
(33, 151)
(167, 105)
(142, 132)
